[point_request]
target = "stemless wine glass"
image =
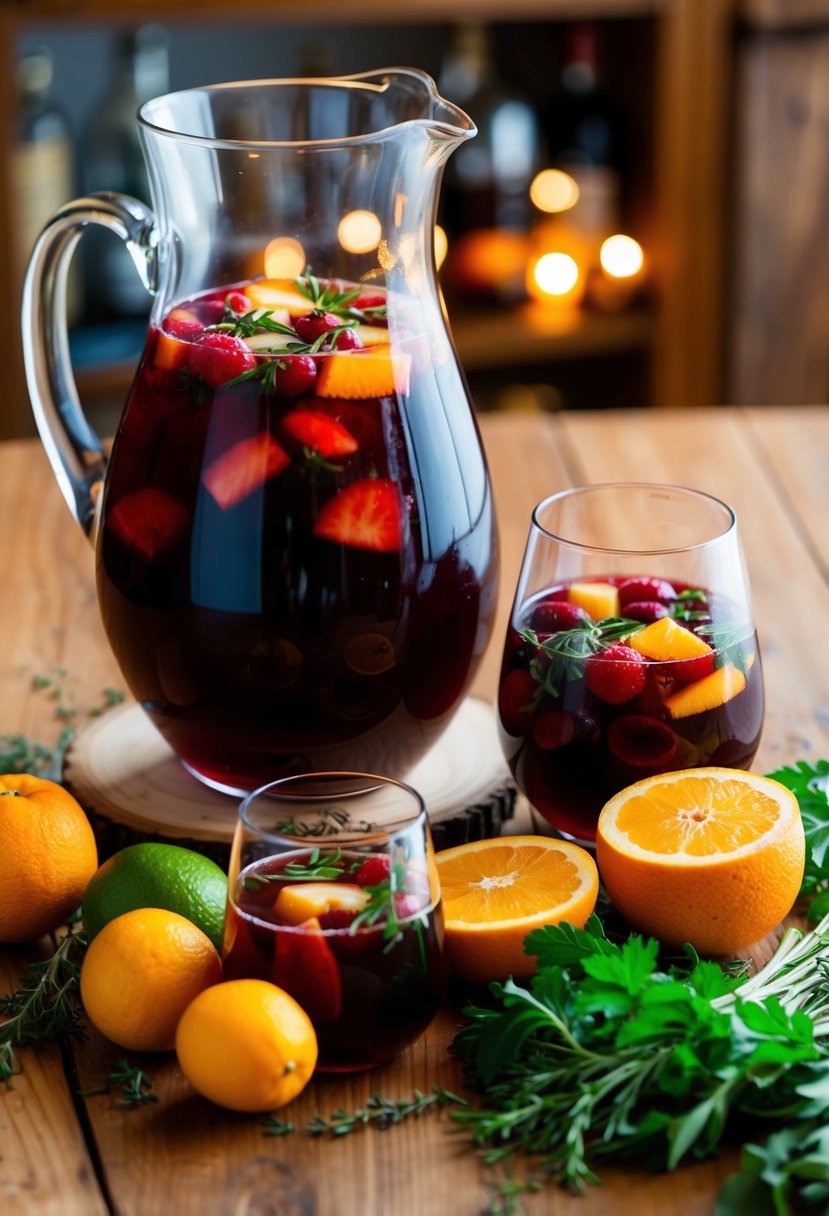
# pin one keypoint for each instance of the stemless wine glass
(631, 648)
(334, 896)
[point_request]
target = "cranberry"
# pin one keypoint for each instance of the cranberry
(550, 616)
(515, 700)
(295, 375)
(314, 324)
(634, 590)
(218, 357)
(646, 611)
(373, 871)
(553, 730)
(238, 302)
(641, 741)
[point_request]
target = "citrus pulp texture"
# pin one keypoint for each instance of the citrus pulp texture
(140, 974)
(47, 856)
(494, 892)
(710, 856)
(155, 875)
(246, 1045)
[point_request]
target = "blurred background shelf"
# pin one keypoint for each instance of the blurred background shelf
(726, 103)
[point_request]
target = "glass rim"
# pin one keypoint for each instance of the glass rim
(419, 813)
(454, 126)
(688, 491)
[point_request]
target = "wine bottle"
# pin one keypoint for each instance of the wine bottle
(114, 161)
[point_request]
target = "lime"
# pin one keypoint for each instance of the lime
(154, 875)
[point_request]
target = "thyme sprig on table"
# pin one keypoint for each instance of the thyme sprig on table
(136, 1086)
(383, 1112)
(45, 1008)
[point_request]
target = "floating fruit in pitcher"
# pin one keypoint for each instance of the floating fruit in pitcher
(710, 856)
(47, 856)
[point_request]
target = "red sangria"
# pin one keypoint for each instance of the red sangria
(615, 675)
(350, 925)
(297, 565)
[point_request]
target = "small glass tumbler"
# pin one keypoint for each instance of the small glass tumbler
(631, 648)
(334, 896)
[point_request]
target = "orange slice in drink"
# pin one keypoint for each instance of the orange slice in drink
(709, 692)
(495, 892)
(710, 856)
(278, 293)
(373, 372)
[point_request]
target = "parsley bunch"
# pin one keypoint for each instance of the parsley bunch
(604, 1056)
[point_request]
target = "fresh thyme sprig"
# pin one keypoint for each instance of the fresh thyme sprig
(383, 1112)
(317, 868)
(332, 299)
(45, 1008)
(561, 656)
(135, 1085)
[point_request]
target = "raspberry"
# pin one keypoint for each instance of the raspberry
(295, 375)
(637, 589)
(550, 616)
(218, 357)
(373, 871)
(616, 674)
(181, 327)
(646, 611)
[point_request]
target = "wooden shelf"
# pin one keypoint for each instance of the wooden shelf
(686, 155)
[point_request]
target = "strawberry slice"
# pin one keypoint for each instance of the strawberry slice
(320, 433)
(148, 522)
(243, 468)
(365, 515)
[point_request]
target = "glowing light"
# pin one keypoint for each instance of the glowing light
(359, 232)
(556, 274)
(284, 258)
(621, 256)
(551, 190)
(441, 246)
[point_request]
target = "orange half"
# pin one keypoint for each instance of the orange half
(710, 856)
(495, 892)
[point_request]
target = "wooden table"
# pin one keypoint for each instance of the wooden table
(65, 1154)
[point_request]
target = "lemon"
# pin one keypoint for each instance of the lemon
(155, 875)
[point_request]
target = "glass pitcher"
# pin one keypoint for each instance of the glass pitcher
(295, 540)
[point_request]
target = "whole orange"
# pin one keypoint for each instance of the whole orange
(141, 972)
(246, 1045)
(48, 855)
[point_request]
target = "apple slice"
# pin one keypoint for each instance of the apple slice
(278, 293)
(302, 901)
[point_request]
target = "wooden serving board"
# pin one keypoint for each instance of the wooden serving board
(134, 788)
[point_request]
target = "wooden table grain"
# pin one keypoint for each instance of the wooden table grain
(69, 1155)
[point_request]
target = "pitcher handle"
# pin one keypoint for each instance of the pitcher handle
(75, 451)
